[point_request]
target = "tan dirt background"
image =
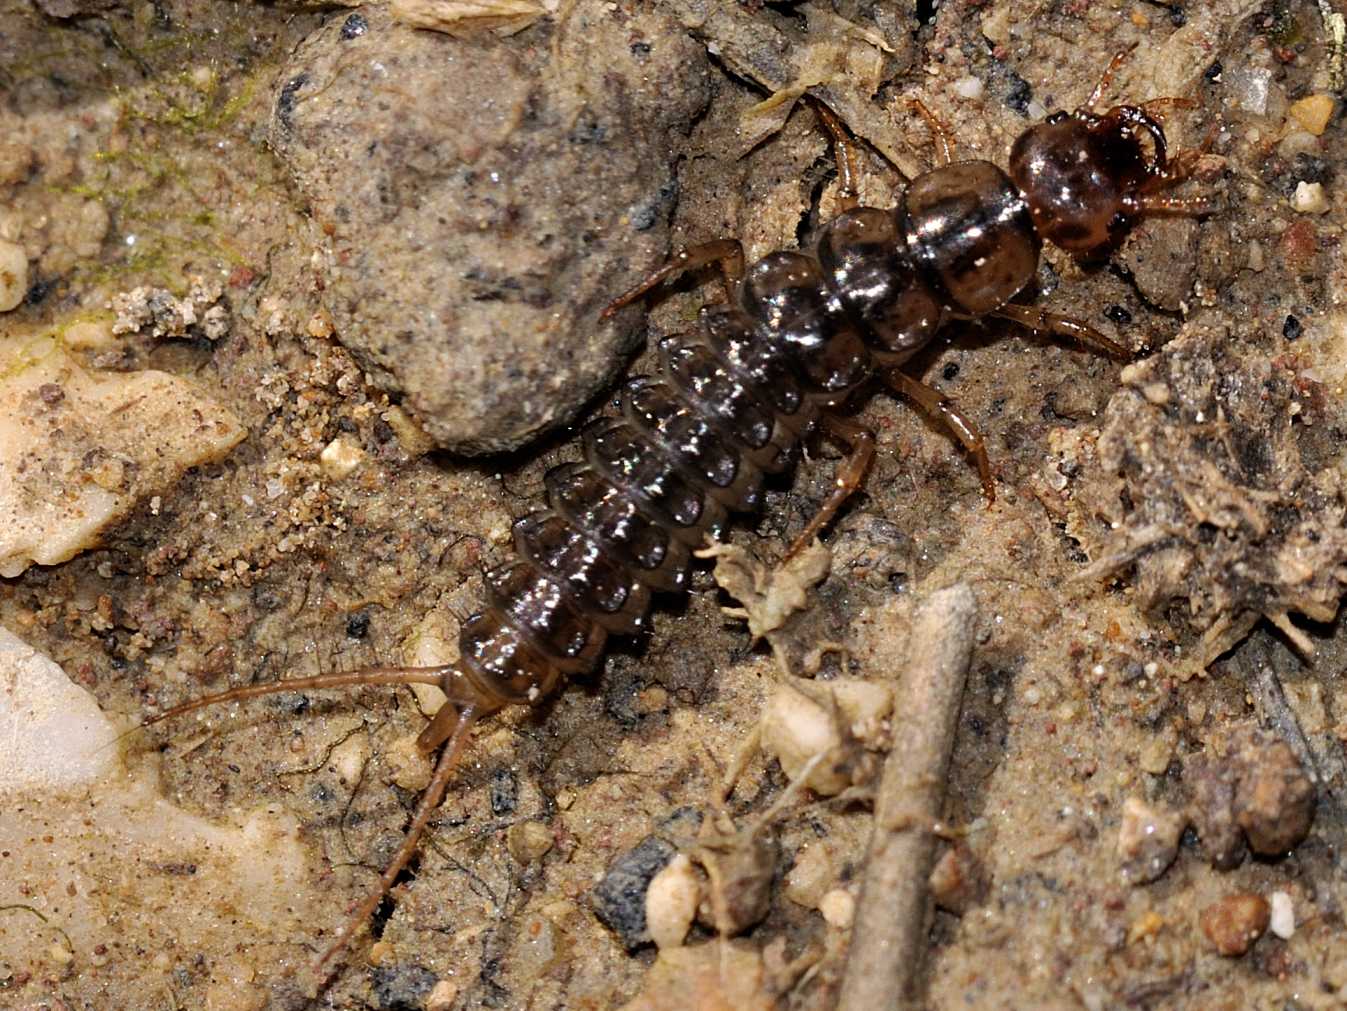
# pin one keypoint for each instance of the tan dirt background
(262, 565)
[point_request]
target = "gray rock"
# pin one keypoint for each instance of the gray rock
(619, 899)
(477, 202)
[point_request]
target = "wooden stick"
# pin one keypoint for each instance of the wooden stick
(889, 933)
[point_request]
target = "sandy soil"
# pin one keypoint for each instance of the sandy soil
(207, 862)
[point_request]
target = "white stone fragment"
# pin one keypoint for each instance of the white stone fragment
(339, 457)
(671, 902)
(1283, 921)
(1248, 88)
(838, 908)
(54, 734)
(1309, 198)
(13, 275)
(79, 449)
(968, 87)
(90, 842)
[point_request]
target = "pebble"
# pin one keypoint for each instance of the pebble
(475, 215)
(1283, 917)
(1256, 792)
(1235, 922)
(618, 899)
(811, 874)
(62, 428)
(1312, 113)
(442, 996)
(410, 766)
(1309, 198)
(968, 87)
(671, 902)
(13, 275)
(1274, 802)
(838, 908)
(339, 457)
(1148, 840)
(528, 841)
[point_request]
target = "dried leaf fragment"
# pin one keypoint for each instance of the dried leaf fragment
(464, 18)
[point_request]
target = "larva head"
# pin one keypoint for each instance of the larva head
(1083, 175)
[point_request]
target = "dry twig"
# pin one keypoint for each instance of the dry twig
(888, 936)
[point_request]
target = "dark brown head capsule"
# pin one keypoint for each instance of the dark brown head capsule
(1083, 175)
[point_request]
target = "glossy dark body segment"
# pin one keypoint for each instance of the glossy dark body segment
(732, 402)
(969, 230)
(688, 446)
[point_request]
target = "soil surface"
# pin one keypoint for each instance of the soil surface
(1153, 692)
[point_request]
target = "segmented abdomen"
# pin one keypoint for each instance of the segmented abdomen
(688, 447)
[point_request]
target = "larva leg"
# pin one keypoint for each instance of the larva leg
(850, 475)
(844, 151)
(729, 253)
(1064, 326)
(944, 140)
(1106, 78)
(937, 405)
(456, 728)
(452, 724)
(345, 679)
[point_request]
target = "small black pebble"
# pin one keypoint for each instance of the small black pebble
(353, 27)
(619, 899)
(38, 291)
(1213, 73)
(1311, 169)
(950, 370)
(357, 625)
(504, 792)
(1176, 16)
(401, 987)
(898, 581)
(1291, 329)
(1118, 314)
(1020, 94)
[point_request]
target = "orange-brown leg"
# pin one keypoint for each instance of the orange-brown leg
(1064, 326)
(844, 151)
(456, 727)
(363, 676)
(1106, 78)
(452, 723)
(1155, 106)
(937, 405)
(1152, 203)
(729, 253)
(944, 140)
(860, 451)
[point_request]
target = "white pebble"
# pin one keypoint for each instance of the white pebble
(339, 457)
(1283, 921)
(671, 902)
(1309, 198)
(13, 275)
(968, 87)
(838, 908)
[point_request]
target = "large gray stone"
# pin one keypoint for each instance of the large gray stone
(478, 201)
